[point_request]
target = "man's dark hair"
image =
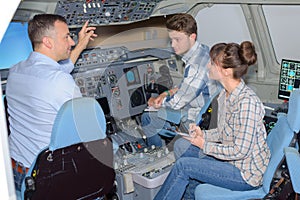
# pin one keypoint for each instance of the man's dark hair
(40, 25)
(182, 22)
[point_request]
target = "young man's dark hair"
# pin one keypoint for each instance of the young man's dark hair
(182, 23)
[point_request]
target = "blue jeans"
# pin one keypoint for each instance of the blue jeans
(192, 167)
(19, 177)
(181, 146)
(151, 125)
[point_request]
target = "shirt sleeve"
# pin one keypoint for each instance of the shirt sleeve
(191, 86)
(212, 135)
(238, 133)
(66, 65)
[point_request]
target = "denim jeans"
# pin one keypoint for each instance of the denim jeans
(192, 167)
(181, 146)
(19, 177)
(151, 125)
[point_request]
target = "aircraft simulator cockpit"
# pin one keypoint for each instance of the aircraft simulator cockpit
(132, 59)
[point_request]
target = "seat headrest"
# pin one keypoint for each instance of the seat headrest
(293, 115)
(78, 120)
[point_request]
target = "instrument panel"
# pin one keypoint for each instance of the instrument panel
(120, 80)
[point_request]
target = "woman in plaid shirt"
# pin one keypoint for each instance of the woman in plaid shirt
(234, 155)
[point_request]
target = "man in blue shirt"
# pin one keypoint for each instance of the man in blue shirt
(38, 87)
(195, 88)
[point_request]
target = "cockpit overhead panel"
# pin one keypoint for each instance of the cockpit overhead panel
(104, 12)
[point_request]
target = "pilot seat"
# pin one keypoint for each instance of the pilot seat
(78, 163)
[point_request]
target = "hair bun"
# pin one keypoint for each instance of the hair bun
(247, 53)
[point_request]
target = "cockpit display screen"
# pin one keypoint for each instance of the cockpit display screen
(289, 78)
(132, 75)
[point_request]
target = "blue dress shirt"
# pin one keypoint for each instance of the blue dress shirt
(36, 89)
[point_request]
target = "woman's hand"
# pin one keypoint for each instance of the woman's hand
(195, 130)
(196, 136)
(197, 141)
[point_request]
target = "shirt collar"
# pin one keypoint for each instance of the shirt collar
(236, 92)
(188, 55)
(39, 56)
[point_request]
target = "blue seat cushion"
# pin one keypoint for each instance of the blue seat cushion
(211, 192)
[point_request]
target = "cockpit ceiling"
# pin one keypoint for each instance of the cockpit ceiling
(110, 12)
